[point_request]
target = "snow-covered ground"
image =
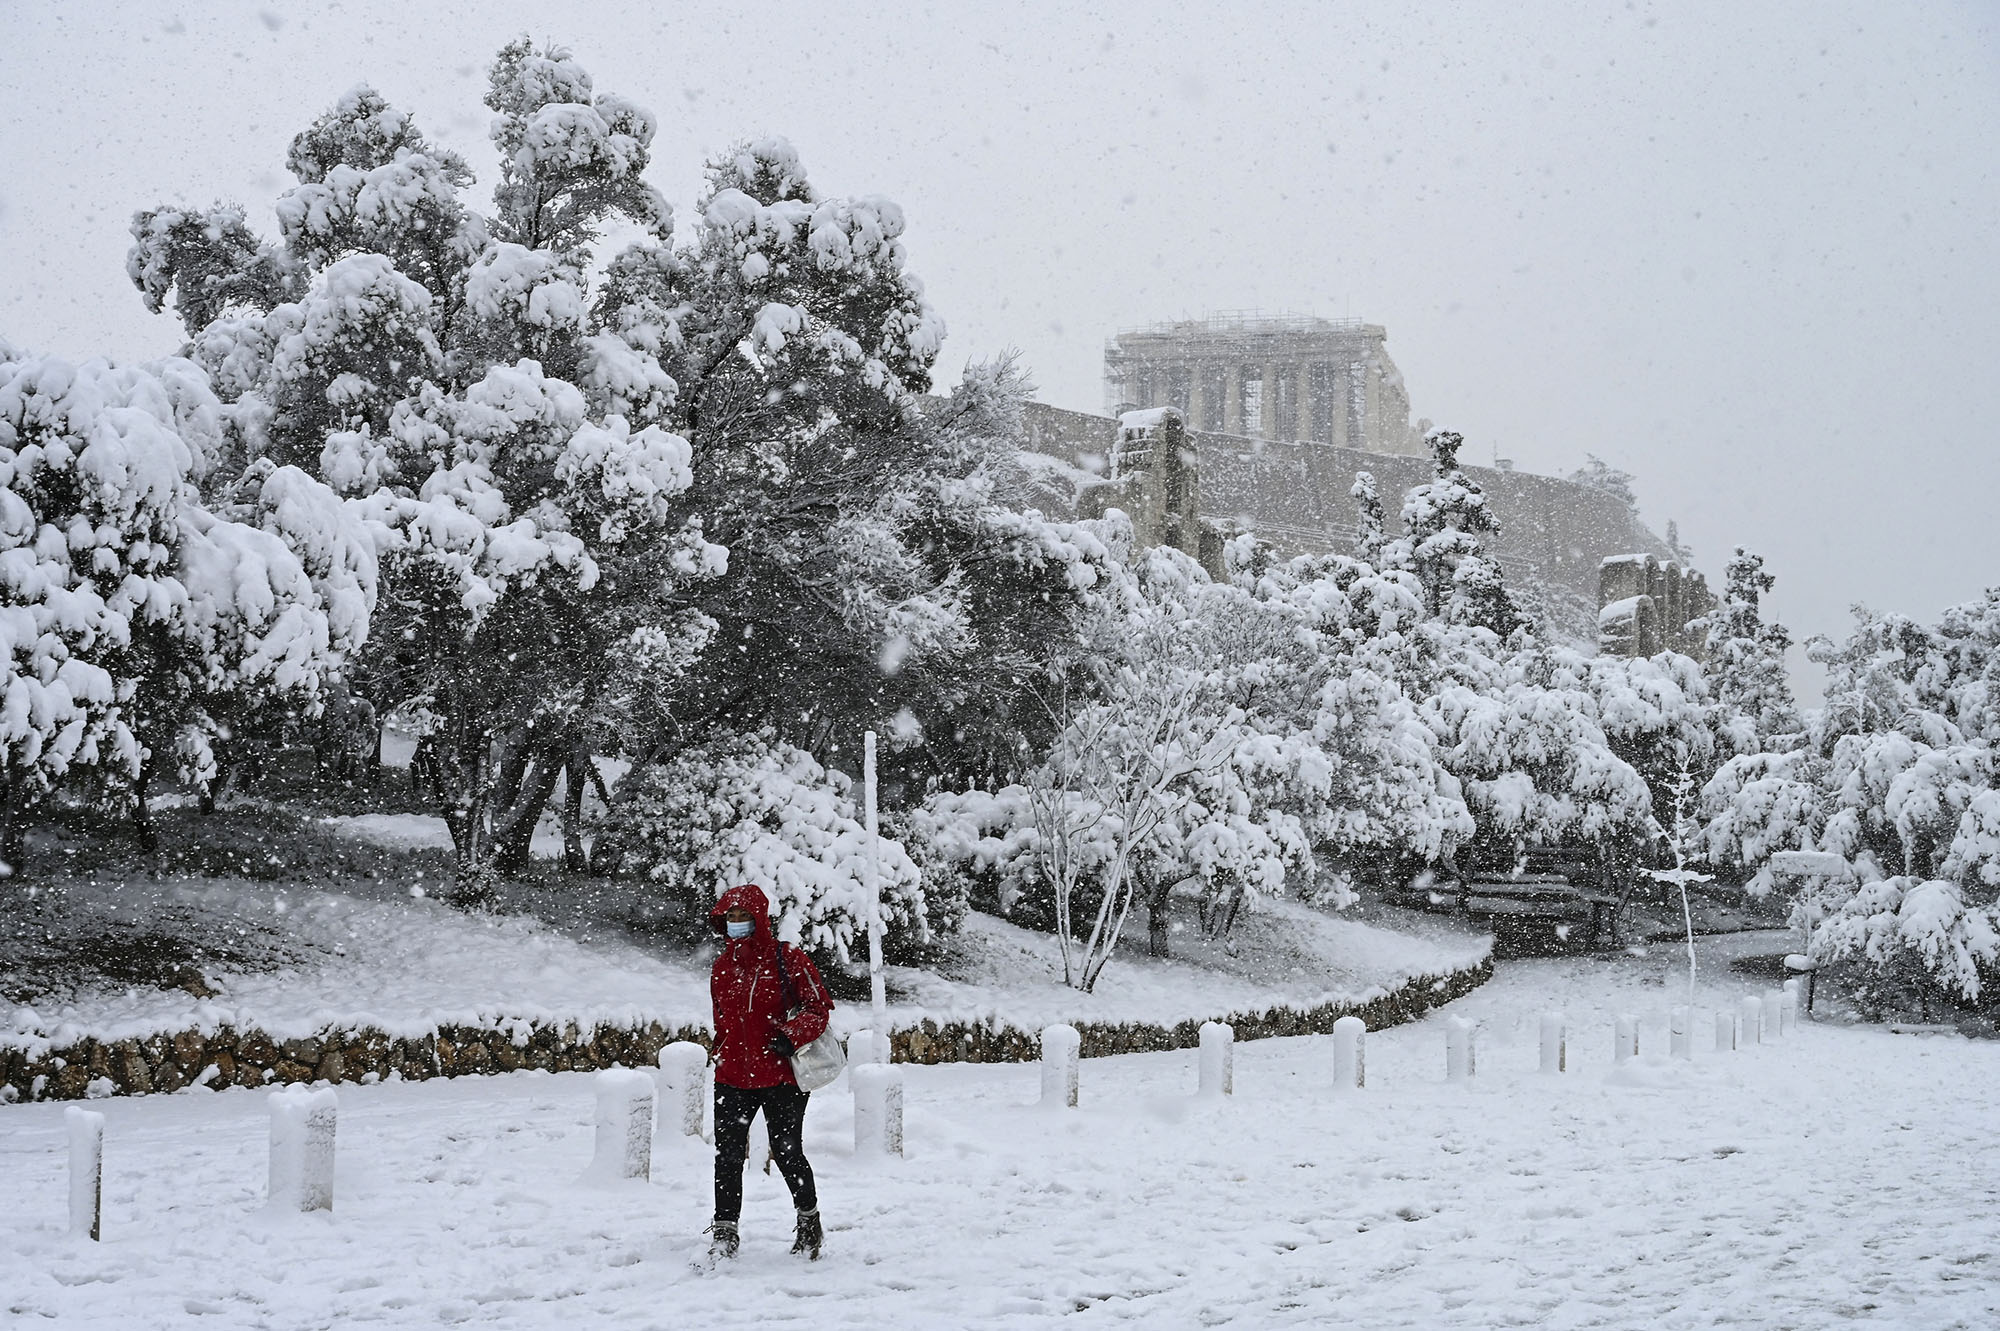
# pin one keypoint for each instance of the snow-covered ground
(1838, 1178)
(428, 832)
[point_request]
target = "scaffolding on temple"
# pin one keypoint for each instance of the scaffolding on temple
(1248, 374)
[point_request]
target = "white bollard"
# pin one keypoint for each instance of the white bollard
(1725, 1031)
(1751, 1014)
(1626, 1038)
(624, 1124)
(303, 1124)
(684, 1071)
(1679, 1043)
(86, 1171)
(1350, 1054)
(1789, 1013)
(1555, 1042)
(1774, 1015)
(878, 1108)
(1217, 1075)
(1061, 1046)
(1461, 1057)
(865, 1046)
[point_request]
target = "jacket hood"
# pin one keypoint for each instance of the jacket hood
(751, 898)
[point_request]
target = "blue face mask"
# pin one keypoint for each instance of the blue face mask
(740, 928)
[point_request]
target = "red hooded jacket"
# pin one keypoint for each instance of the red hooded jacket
(749, 996)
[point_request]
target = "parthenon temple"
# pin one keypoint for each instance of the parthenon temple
(1308, 380)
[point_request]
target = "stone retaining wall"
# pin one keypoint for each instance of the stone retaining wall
(229, 1057)
(969, 1042)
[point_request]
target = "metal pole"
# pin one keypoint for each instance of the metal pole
(878, 1000)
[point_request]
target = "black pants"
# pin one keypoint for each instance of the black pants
(785, 1115)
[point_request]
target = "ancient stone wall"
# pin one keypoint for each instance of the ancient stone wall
(1153, 479)
(1647, 606)
(1297, 497)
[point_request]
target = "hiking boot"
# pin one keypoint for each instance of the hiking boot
(809, 1235)
(723, 1240)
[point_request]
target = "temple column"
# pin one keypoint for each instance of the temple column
(1303, 393)
(1339, 393)
(1197, 396)
(1267, 402)
(1232, 398)
(1371, 411)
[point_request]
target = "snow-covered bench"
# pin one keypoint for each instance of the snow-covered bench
(1543, 896)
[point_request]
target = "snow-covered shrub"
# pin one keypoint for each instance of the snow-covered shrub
(1895, 776)
(1756, 805)
(1915, 932)
(983, 844)
(1655, 714)
(138, 623)
(1524, 741)
(754, 809)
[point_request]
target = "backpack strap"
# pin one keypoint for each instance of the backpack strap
(792, 1003)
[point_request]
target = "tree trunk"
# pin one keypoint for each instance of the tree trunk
(13, 834)
(515, 755)
(576, 776)
(1158, 923)
(1160, 913)
(514, 833)
(142, 814)
(466, 815)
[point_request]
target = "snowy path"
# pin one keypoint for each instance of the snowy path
(1843, 1177)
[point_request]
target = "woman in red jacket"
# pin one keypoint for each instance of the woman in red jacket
(769, 1001)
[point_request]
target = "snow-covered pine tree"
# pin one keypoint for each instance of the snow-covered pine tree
(1657, 716)
(1443, 520)
(1522, 736)
(1601, 475)
(1370, 532)
(1746, 662)
(1889, 779)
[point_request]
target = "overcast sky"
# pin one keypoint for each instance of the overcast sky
(1746, 252)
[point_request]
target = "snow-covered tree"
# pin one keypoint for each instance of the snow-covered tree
(1757, 804)
(1370, 528)
(1746, 661)
(1443, 521)
(1889, 780)
(1522, 735)
(1601, 475)
(1390, 809)
(1656, 715)
(710, 455)
(138, 621)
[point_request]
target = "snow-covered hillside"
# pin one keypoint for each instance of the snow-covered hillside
(405, 965)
